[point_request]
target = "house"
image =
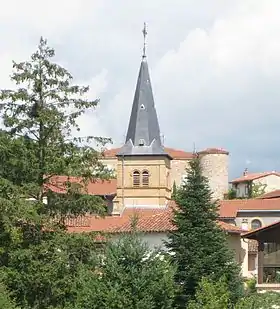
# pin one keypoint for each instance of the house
(153, 226)
(266, 182)
(145, 173)
(268, 256)
(250, 215)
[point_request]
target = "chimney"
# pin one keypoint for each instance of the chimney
(245, 173)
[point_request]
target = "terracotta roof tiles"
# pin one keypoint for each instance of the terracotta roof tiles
(230, 228)
(96, 187)
(148, 220)
(269, 195)
(253, 176)
(230, 208)
(174, 153)
(214, 151)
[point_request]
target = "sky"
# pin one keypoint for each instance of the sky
(214, 66)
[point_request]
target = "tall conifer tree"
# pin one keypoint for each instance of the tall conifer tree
(39, 260)
(199, 245)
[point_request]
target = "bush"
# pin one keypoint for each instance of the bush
(251, 285)
(130, 276)
(6, 301)
(267, 300)
(211, 295)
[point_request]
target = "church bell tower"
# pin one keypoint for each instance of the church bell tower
(143, 169)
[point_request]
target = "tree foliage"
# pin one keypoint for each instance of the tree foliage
(6, 301)
(211, 295)
(232, 194)
(130, 276)
(268, 300)
(39, 260)
(199, 245)
(257, 189)
(174, 190)
(216, 295)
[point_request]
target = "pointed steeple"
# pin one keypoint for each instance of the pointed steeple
(143, 134)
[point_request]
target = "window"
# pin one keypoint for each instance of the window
(136, 178)
(145, 178)
(246, 190)
(256, 224)
(271, 263)
(141, 142)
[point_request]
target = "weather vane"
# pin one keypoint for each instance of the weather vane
(144, 34)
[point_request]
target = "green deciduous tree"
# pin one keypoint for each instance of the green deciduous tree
(6, 301)
(131, 276)
(211, 295)
(267, 300)
(199, 245)
(232, 194)
(39, 260)
(257, 189)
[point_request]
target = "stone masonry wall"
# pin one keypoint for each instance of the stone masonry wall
(215, 168)
(178, 170)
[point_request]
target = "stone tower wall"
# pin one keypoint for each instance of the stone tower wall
(215, 168)
(178, 170)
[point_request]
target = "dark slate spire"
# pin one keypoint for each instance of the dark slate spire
(143, 134)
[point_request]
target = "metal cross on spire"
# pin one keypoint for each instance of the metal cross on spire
(144, 34)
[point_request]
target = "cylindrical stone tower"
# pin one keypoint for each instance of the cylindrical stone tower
(214, 163)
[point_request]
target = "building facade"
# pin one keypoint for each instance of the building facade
(146, 170)
(263, 182)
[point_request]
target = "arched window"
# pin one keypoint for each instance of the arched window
(136, 178)
(145, 178)
(256, 224)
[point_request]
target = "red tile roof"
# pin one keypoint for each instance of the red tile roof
(230, 228)
(230, 208)
(269, 195)
(174, 153)
(157, 222)
(254, 176)
(148, 220)
(214, 151)
(96, 187)
(113, 223)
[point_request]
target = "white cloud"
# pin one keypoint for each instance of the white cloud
(44, 16)
(91, 122)
(218, 78)
(214, 65)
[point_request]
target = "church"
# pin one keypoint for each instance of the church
(145, 173)
(146, 170)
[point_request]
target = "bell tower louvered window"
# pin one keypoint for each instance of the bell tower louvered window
(136, 179)
(145, 178)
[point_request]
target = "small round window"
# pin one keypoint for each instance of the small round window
(256, 224)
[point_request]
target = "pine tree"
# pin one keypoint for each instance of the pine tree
(199, 245)
(39, 259)
(174, 190)
(131, 276)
